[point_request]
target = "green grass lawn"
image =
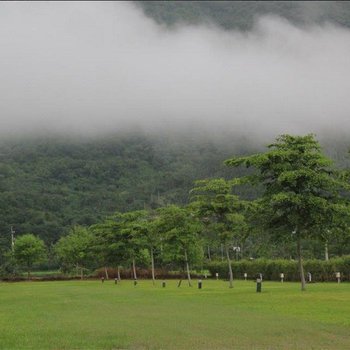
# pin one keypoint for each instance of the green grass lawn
(92, 315)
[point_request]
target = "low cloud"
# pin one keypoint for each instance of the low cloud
(96, 67)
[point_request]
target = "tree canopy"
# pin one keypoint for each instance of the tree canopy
(28, 251)
(301, 188)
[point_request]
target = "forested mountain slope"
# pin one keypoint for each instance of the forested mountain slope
(47, 185)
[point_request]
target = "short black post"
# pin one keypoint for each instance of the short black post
(102, 279)
(258, 285)
(116, 280)
(135, 282)
(199, 284)
(163, 284)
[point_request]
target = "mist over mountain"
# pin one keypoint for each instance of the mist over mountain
(88, 68)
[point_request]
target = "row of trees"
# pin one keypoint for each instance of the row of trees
(302, 196)
(169, 237)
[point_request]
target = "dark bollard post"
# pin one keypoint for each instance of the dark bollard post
(199, 284)
(163, 284)
(116, 280)
(258, 285)
(102, 279)
(135, 283)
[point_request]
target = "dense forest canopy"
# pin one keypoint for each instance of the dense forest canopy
(48, 185)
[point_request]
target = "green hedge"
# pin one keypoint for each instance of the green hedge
(321, 270)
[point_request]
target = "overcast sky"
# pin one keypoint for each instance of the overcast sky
(95, 67)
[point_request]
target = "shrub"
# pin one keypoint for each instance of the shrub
(271, 269)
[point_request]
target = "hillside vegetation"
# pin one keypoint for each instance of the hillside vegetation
(241, 14)
(48, 185)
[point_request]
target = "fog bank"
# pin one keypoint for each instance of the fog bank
(93, 68)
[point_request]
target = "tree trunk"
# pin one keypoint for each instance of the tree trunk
(326, 256)
(28, 274)
(118, 273)
(300, 263)
(209, 256)
(106, 273)
(152, 261)
(188, 270)
(81, 273)
(134, 269)
(222, 252)
(229, 267)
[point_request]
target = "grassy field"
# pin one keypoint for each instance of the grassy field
(92, 315)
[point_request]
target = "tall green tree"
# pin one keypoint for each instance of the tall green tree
(28, 251)
(75, 249)
(123, 239)
(223, 211)
(300, 188)
(151, 236)
(181, 232)
(110, 242)
(132, 228)
(335, 227)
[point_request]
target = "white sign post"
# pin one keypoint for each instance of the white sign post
(309, 276)
(337, 275)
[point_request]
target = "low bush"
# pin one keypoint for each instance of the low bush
(320, 270)
(143, 274)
